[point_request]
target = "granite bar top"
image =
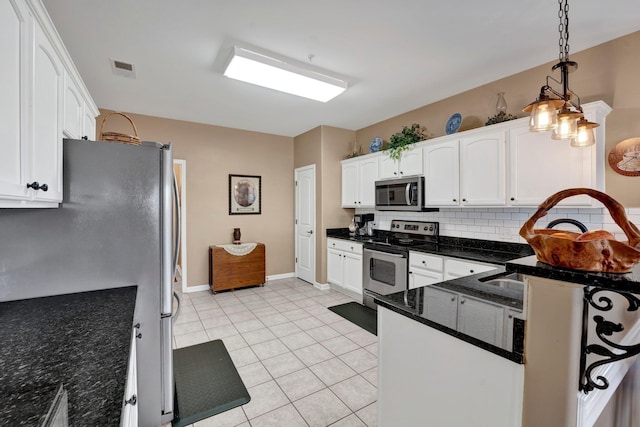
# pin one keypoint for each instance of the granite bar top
(411, 307)
(78, 340)
(530, 265)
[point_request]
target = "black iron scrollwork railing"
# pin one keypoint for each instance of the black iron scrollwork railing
(611, 351)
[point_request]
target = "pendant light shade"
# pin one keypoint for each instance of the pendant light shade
(556, 110)
(585, 136)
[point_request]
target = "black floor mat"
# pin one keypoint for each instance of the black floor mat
(207, 383)
(362, 316)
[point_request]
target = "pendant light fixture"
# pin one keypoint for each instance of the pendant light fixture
(558, 111)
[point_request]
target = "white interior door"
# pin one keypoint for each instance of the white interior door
(306, 223)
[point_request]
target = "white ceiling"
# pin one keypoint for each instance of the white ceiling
(396, 55)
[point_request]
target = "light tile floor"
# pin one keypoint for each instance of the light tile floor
(302, 364)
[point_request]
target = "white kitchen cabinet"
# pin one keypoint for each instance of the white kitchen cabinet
(459, 268)
(409, 163)
(47, 119)
(358, 182)
(483, 168)
(129, 413)
(481, 319)
(344, 265)
(79, 118)
(441, 307)
(32, 106)
(14, 43)
(424, 269)
(442, 173)
(540, 166)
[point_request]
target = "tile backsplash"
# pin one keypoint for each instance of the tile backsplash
(503, 224)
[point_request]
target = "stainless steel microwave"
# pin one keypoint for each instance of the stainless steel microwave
(404, 194)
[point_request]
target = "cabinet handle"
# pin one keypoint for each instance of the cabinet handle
(395, 173)
(470, 271)
(510, 317)
(455, 200)
(86, 138)
(401, 173)
(131, 401)
(411, 272)
(462, 302)
(513, 198)
(36, 186)
(453, 299)
(139, 334)
(424, 262)
(464, 200)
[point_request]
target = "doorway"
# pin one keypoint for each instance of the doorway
(180, 171)
(305, 223)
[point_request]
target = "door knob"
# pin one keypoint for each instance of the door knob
(311, 232)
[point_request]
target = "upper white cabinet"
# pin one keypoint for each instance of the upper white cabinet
(42, 94)
(358, 182)
(540, 166)
(409, 163)
(483, 169)
(14, 28)
(442, 173)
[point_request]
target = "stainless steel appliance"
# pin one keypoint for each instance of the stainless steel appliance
(364, 222)
(405, 194)
(115, 228)
(385, 261)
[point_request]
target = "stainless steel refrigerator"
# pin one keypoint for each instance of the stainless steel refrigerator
(116, 227)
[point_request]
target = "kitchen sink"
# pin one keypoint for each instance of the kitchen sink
(513, 281)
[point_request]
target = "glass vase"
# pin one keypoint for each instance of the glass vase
(501, 104)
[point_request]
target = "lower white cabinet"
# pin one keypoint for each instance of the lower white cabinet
(473, 317)
(458, 268)
(481, 319)
(344, 264)
(129, 417)
(424, 269)
(441, 307)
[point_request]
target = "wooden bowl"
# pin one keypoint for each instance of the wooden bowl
(594, 253)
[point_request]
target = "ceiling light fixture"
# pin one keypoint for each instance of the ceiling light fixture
(282, 74)
(557, 111)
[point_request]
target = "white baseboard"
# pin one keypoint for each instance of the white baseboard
(197, 288)
(280, 276)
(322, 286)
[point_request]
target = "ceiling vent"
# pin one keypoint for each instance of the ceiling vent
(123, 69)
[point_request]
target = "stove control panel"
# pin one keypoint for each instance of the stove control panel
(420, 228)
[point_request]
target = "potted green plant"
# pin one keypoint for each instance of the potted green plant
(400, 141)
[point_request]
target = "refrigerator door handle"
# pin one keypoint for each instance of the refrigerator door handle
(166, 297)
(177, 225)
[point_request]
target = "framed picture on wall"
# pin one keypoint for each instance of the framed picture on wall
(245, 194)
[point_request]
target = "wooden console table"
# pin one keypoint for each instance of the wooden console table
(227, 271)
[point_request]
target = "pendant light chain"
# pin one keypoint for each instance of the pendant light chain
(563, 29)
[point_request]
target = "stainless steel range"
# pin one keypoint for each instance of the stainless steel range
(385, 260)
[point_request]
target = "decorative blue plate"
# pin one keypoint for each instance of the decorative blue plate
(453, 124)
(376, 144)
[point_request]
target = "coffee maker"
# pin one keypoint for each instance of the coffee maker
(364, 222)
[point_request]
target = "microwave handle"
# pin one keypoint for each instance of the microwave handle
(407, 194)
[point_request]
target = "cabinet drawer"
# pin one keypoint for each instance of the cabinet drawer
(343, 245)
(426, 262)
(457, 268)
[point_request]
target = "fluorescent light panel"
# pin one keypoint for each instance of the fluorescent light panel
(262, 70)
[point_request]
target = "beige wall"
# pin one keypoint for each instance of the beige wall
(324, 147)
(211, 154)
(608, 72)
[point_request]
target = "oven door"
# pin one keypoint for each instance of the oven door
(383, 273)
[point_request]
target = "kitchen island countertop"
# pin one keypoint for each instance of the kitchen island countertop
(81, 340)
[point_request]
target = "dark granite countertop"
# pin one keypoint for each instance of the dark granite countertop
(79, 340)
(618, 281)
(487, 251)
